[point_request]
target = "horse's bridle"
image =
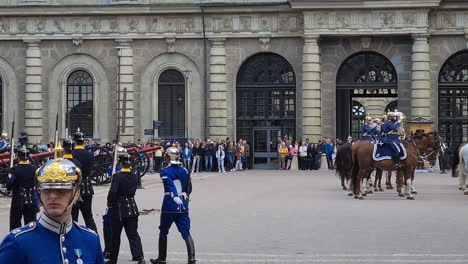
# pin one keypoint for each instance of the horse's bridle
(424, 154)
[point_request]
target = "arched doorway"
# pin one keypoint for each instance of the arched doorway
(358, 116)
(266, 105)
(362, 75)
(171, 104)
(392, 107)
(80, 102)
(453, 99)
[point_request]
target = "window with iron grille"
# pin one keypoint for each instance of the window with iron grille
(358, 119)
(80, 102)
(171, 104)
(266, 95)
(391, 107)
(453, 99)
(363, 74)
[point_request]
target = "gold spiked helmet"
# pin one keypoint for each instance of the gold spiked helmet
(59, 173)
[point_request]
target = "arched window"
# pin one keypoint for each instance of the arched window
(171, 104)
(358, 113)
(362, 75)
(453, 99)
(80, 102)
(391, 107)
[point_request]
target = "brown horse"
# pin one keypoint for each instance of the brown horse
(363, 163)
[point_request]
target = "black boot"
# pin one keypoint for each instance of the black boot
(397, 160)
(107, 239)
(190, 250)
(162, 248)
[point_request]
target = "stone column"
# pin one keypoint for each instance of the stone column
(311, 90)
(420, 78)
(217, 104)
(33, 93)
(125, 71)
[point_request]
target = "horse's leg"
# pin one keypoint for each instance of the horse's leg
(465, 174)
(378, 178)
(413, 189)
(365, 186)
(357, 184)
(407, 177)
(389, 177)
(369, 184)
(380, 182)
(399, 183)
(343, 183)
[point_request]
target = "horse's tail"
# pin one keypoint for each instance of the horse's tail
(355, 168)
(456, 161)
(343, 161)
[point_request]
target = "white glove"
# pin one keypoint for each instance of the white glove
(177, 200)
(399, 121)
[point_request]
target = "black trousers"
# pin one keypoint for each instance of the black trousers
(18, 211)
(86, 208)
(131, 229)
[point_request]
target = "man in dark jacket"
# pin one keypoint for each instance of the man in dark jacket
(208, 151)
(86, 159)
(21, 180)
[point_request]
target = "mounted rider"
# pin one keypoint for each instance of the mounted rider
(391, 136)
(368, 130)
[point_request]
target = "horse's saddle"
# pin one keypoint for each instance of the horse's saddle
(383, 151)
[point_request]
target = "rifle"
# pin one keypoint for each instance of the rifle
(119, 127)
(12, 144)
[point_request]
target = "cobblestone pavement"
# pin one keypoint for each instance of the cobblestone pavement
(263, 216)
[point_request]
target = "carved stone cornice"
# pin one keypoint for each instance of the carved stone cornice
(160, 24)
(366, 22)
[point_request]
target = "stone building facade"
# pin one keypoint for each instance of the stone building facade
(69, 57)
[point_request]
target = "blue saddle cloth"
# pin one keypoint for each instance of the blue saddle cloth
(382, 151)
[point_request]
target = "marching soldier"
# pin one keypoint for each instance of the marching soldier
(86, 160)
(175, 207)
(124, 211)
(368, 129)
(21, 180)
(392, 137)
(54, 238)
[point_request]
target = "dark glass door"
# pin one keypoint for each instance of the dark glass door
(265, 147)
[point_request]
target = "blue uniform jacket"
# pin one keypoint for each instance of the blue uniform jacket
(49, 242)
(389, 130)
(368, 132)
(171, 177)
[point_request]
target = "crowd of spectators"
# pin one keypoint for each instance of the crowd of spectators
(306, 155)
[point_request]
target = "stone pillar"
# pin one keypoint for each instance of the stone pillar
(217, 104)
(420, 78)
(311, 90)
(33, 93)
(125, 70)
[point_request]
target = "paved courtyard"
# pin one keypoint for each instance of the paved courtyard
(263, 216)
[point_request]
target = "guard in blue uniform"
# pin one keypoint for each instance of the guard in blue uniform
(85, 205)
(391, 137)
(175, 207)
(54, 238)
(124, 211)
(21, 181)
(368, 130)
